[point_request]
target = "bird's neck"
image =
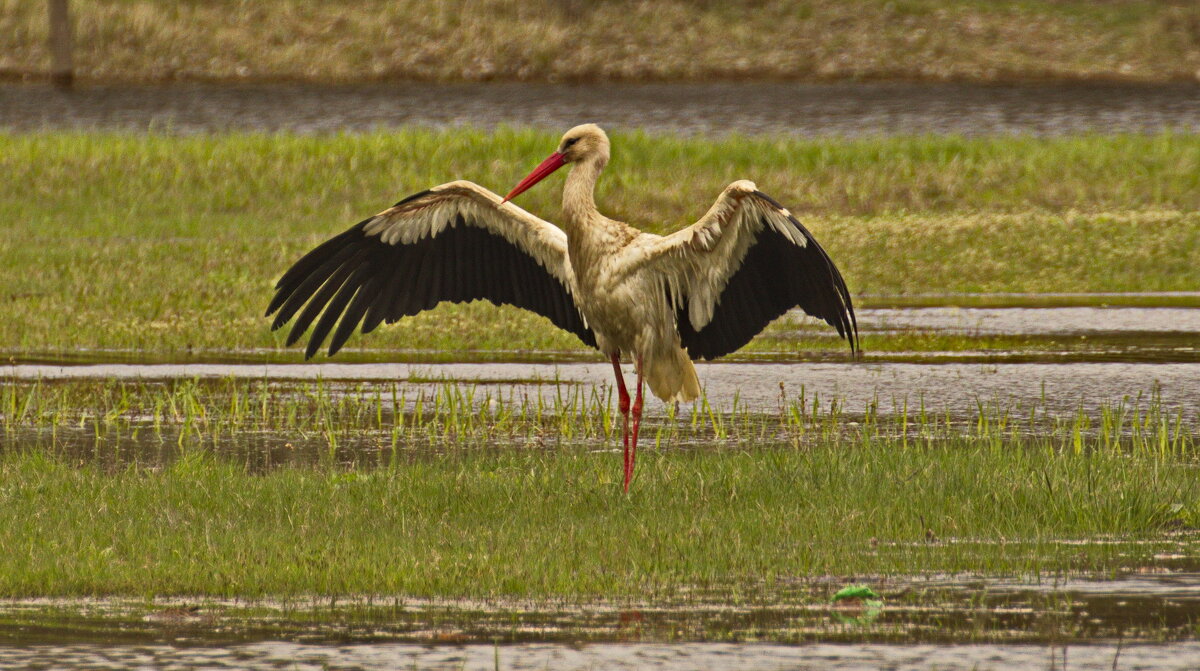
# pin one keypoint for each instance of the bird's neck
(579, 204)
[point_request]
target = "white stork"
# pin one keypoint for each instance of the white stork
(699, 293)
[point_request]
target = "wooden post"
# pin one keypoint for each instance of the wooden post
(62, 70)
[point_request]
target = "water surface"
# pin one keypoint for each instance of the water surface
(712, 108)
(1137, 621)
(956, 388)
(659, 657)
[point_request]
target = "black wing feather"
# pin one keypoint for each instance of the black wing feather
(292, 295)
(774, 277)
(367, 294)
(332, 311)
(360, 279)
(319, 299)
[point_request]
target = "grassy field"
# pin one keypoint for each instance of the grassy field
(548, 40)
(161, 245)
(123, 246)
(132, 488)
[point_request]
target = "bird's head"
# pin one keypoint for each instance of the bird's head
(586, 142)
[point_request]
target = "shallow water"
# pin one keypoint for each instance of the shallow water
(663, 657)
(1077, 334)
(1101, 299)
(956, 388)
(1144, 621)
(714, 108)
(1036, 321)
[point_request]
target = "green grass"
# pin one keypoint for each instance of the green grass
(468, 524)
(732, 502)
(548, 40)
(164, 245)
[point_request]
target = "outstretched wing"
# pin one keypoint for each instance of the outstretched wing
(455, 242)
(745, 263)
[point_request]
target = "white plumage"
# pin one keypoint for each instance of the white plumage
(700, 292)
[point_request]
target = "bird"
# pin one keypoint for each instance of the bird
(662, 301)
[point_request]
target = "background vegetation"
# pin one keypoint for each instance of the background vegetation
(555, 40)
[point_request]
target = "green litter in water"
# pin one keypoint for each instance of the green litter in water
(862, 605)
(855, 592)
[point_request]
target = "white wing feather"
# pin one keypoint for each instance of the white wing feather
(697, 262)
(419, 218)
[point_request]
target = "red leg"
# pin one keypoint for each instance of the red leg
(623, 405)
(637, 422)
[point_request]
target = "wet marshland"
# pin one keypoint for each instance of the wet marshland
(1073, 360)
(1072, 363)
(1089, 363)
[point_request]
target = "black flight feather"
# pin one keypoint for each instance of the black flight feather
(774, 276)
(359, 279)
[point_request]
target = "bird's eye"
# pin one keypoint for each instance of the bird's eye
(568, 143)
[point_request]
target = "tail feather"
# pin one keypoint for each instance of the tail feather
(671, 376)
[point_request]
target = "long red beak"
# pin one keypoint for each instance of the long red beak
(552, 163)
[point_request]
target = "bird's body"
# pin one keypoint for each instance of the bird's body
(625, 304)
(661, 301)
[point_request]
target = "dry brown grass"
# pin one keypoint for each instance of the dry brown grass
(549, 40)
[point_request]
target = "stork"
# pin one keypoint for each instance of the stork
(699, 293)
